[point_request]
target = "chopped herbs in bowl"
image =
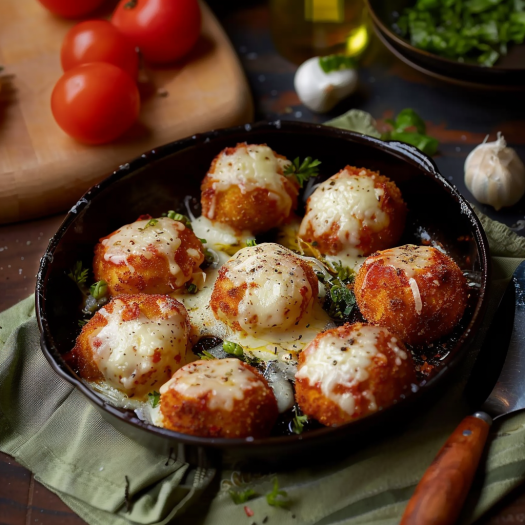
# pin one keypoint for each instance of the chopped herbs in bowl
(474, 31)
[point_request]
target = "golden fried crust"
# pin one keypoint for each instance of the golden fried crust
(152, 275)
(256, 210)
(391, 203)
(389, 379)
(254, 415)
(226, 296)
(385, 297)
(80, 357)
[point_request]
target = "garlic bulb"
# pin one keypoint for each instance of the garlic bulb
(494, 174)
(320, 91)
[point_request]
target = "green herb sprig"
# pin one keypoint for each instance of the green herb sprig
(206, 356)
(409, 127)
(79, 275)
(238, 351)
(298, 423)
(303, 171)
(337, 62)
(340, 300)
(277, 498)
(154, 398)
(241, 496)
(251, 242)
(181, 218)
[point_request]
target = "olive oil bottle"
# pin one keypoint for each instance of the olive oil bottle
(305, 28)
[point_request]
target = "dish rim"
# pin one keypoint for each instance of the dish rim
(401, 150)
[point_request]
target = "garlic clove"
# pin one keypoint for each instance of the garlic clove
(320, 91)
(494, 174)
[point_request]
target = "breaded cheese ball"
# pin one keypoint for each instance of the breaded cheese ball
(218, 398)
(264, 287)
(154, 256)
(135, 343)
(354, 213)
(349, 372)
(246, 189)
(417, 292)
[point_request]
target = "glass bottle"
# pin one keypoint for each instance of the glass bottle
(305, 28)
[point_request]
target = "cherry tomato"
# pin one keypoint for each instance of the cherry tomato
(98, 41)
(164, 30)
(95, 103)
(71, 8)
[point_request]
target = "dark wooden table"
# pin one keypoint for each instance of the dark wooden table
(458, 117)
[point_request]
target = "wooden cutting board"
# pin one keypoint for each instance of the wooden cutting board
(42, 170)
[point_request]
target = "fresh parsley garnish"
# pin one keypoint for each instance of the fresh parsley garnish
(181, 218)
(251, 242)
(409, 127)
(298, 422)
(336, 63)
(206, 356)
(241, 496)
(477, 31)
(204, 241)
(78, 274)
(277, 498)
(82, 322)
(340, 300)
(303, 170)
(154, 398)
(99, 289)
(191, 288)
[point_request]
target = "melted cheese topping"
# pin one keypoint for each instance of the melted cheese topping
(220, 236)
(139, 239)
(346, 203)
(125, 351)
(276, 286)
(251, 167)
(345, 361)
(221, 381)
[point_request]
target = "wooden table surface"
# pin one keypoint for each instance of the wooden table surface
(459, 118)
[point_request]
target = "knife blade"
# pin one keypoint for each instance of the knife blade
(440, 494)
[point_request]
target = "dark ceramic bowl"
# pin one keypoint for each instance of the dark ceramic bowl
(509, 71)
(159, 180)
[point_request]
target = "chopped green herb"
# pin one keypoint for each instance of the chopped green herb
(241, 496)
(206, 356)
(340, 300)
(477, 31)
(82, 322)
(99, 289)
(251, 242)
(298, 423)
(204, 241)
(78, 274)
(277, 498)
(191, 288)
(303, 171)
(409, 127)
(154, 398)
(181, 218)
(233, 348)
(152, 222)
(336, 63)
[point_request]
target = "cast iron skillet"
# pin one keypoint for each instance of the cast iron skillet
(508, 72)
(159, 180)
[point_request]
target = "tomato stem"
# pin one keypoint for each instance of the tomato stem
(131, 4)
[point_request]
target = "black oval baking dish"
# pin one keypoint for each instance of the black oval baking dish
(160, 180)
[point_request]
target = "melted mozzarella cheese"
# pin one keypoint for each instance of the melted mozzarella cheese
(345, 203)
(220, 236)
(334, 361)
(275, 287)
(251, 167)
(126, 351)
(138, 239)
(221, 381)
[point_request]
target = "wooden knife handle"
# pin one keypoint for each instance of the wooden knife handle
(440, 494)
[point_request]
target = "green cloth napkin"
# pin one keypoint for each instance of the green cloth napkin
(50, 428)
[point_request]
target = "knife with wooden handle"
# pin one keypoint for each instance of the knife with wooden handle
(439, 496)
